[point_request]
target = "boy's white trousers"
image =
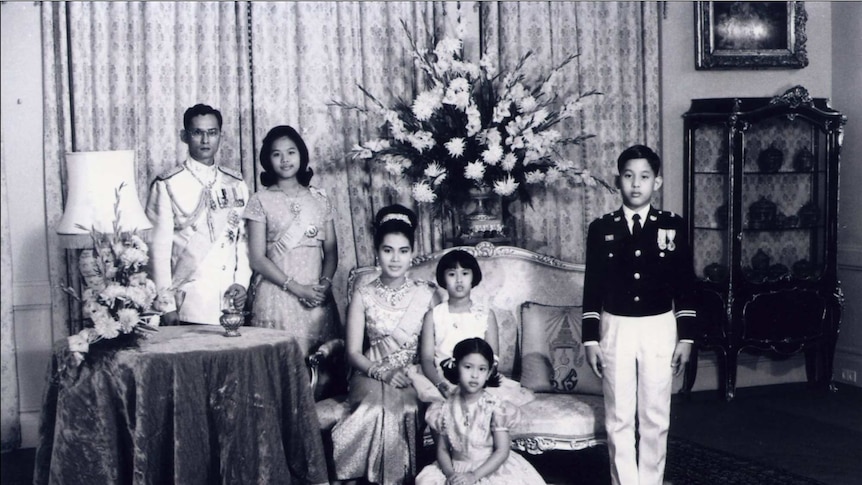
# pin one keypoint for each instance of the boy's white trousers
(637, 381)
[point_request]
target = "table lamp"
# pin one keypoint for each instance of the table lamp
(93, 180)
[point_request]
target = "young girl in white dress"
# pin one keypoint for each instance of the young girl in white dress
(454, 320)
(472, 427)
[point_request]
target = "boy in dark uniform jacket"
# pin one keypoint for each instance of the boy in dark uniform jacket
(638, 317)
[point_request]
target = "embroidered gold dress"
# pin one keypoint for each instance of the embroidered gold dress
(378, 439)
(295, 231)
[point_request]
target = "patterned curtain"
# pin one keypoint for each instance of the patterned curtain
(10, 423)
(306, 55)
(618, 43)
(119, 75)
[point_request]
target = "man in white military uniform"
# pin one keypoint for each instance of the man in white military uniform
(199, 244)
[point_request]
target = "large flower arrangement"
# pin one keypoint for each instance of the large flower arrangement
(118, 299)
(474, 127)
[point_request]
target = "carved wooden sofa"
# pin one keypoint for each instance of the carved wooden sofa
(536, 300)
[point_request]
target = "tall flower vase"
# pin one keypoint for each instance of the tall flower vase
(481, 218)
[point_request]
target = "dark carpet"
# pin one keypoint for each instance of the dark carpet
(775, 435)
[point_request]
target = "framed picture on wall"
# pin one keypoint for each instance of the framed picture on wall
(750, 35)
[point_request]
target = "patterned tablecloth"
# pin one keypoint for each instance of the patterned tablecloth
(187, 406)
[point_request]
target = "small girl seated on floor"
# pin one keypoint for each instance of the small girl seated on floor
(472, 427)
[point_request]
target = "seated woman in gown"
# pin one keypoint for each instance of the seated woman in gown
(377, 440)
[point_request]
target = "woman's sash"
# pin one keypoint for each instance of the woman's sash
(405, 336)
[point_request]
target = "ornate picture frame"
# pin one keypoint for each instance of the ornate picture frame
(750, 35)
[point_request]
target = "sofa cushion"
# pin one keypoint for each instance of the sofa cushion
(566, 416)
(552, 354)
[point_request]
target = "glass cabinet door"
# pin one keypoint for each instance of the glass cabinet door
(710, 195)
(783, 200)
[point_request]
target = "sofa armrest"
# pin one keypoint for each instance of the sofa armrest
(327, 360)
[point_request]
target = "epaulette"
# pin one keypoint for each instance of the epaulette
(170, 172)
(668, 214)
(610, 215)
(231, 172)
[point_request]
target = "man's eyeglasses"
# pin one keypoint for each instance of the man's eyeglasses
(197, 133)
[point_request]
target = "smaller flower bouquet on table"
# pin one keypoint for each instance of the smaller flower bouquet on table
(475, 128)
(118, 300)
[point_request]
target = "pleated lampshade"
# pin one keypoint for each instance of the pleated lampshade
(93, 181)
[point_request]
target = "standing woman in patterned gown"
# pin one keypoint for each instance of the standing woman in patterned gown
(292, 244)
(377, 440)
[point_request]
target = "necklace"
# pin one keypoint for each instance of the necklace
(295, 206)
(466, 410)
(393, 296)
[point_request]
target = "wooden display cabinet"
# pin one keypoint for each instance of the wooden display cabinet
(761, 202)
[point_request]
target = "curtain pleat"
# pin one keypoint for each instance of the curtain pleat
(10, 421)
(617, 43)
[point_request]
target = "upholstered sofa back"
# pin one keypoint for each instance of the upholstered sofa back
(510, 277)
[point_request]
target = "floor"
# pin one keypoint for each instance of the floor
(816, 434)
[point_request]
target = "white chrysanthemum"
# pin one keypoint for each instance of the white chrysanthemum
(138, 279)
(106, 326)
(434, 170)
(112, 292)
(509, 162)
(474, 120)
(474, 171)
(138, 243)
(139, 296)
(534, 177)
(587, 178)
(421, 140)
(493, 154)
(133, 257)
(128, 319)
(426, 104)
(506, 186)
(455, 147)
(423, 193)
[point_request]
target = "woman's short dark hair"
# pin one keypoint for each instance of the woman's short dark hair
(455, 258)
(267, 177)
(464, 348)
(394, 219)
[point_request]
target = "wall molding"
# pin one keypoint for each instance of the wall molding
(31, 294)
(850, 257)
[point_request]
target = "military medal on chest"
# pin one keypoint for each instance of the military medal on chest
(666, 239)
